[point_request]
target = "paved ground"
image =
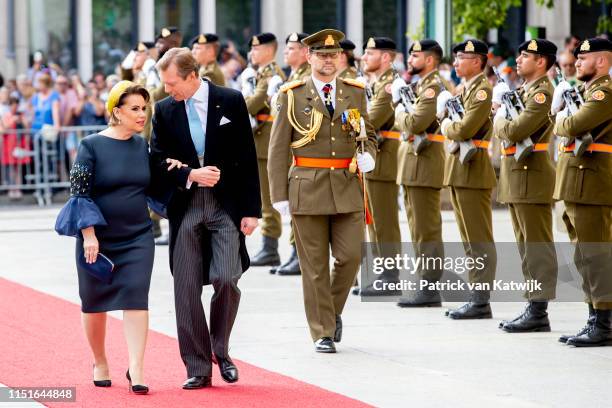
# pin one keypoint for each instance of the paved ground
(388, 357)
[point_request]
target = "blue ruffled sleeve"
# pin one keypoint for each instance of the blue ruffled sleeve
(80, 211)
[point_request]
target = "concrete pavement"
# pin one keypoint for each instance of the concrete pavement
(388, 357)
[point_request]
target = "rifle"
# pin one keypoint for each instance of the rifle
(573, 100)
(408, 98)
(456, 111)
(360, 73)
(514, 106)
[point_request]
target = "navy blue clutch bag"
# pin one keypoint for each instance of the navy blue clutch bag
(102, 269)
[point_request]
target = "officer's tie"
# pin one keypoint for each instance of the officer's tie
(328, 102)
(195, 128)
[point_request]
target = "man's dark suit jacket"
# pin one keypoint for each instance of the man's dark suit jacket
(229, 147)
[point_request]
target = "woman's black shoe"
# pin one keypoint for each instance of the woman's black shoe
(136, 389)
(101, 383)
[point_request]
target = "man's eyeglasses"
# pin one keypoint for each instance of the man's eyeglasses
(326, 55)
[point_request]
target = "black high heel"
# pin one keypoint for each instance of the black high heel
(136, 389)
(101, 383)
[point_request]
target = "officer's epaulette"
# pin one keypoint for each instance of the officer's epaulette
(353, 82)
(292, 84)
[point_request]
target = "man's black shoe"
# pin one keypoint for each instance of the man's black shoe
(227, 368)
(325, 345)
(338, 332)
(194, 383)
(471, 310)
(533, 319)
(268, 255)
(422, 298)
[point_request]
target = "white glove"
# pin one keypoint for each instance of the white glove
(557, 100)
(128, 61)
(500, 114)
(562, 114)
(444, 125)
(444, 97)
(282, 207)
(498, 90)
(273, 84)
(398, 83)
(248, 73)
(365, 162)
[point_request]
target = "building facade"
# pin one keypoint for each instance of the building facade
(94, 35)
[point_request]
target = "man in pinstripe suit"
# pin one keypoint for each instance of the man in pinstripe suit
(215, 203)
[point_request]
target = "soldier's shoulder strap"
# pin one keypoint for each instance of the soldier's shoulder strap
(353, 82)
(292, 85)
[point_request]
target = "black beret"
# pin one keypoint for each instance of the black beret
(263, 38)
(539, 46)
(380, 43)
(347, 45)
(167, 32)
(296, 37)
(593, 45)
(426, 45)
(472, 46)
(204, 39)
(144, 46)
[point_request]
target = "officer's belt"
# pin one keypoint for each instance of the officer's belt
(538, 147)
(432, 137)
(262, 117)
(481, 144)
(389, 134)
(322, 163)
(593, 147)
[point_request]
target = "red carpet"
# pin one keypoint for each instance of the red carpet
(42, 344)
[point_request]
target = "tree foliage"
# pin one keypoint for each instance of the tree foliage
(474, 18)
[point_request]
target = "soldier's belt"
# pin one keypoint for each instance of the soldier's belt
(481, 144)
(593, 147)
(322, 163)
(389, 134)
(262, 117)
(538, 147)
(432, 137)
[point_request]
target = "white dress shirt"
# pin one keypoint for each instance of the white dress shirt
(320, 84)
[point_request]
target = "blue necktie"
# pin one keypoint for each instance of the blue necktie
(195, 128)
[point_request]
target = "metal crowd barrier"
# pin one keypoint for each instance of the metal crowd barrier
(38, 162)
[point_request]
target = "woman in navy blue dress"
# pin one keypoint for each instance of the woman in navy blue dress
(108, 214)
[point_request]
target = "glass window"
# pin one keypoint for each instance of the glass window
(319, 14)
(234, 22)
(51, 31)
(112, 33)
(177, 13)
(380, 19)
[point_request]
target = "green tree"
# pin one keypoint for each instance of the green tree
(604, 23)
(475, 17)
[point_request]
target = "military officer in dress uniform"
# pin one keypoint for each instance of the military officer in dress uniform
(526, 183)
(346, 60)
(263, 53)
(384, 231)
(295, 56)
(138, 63)
(318, 121)
(421, 166)
(205, 48)
(585, 185)
(471, 181)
